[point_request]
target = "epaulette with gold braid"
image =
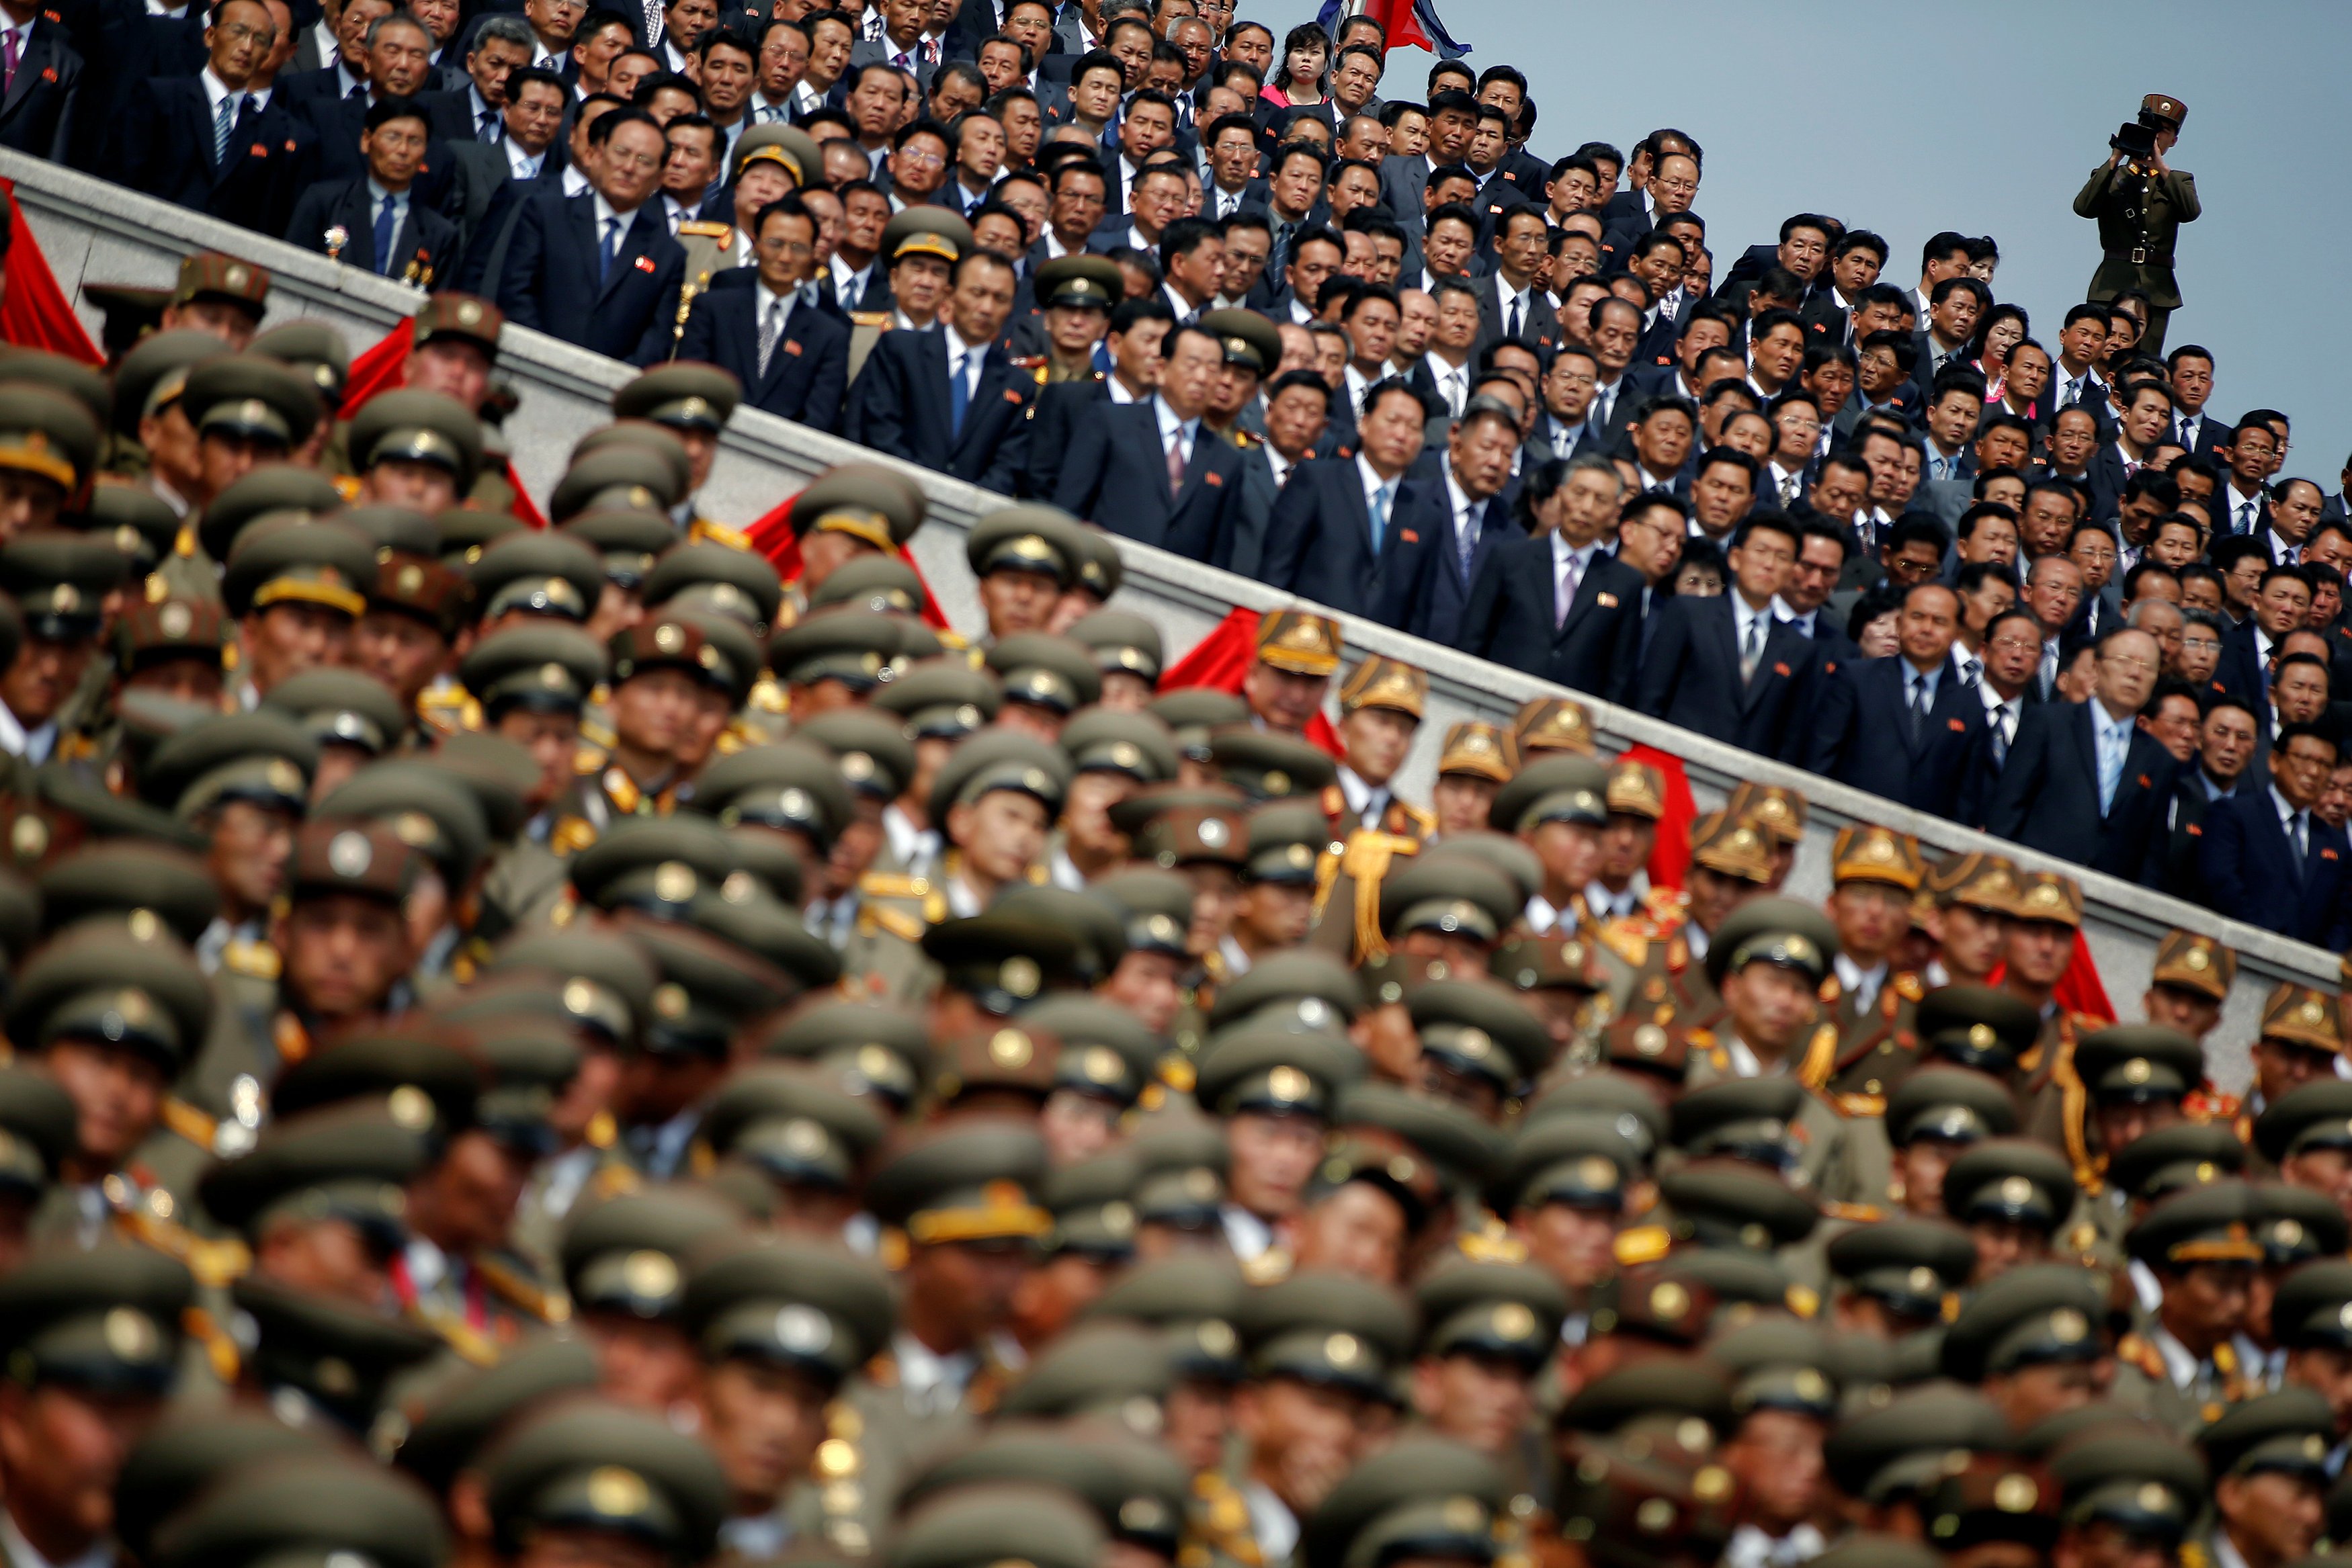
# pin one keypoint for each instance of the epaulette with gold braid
(870, 319)
(1909, 986)
(258, 960)
(472, 1345)
(218, 1264)
(346, 486)
(873, 918)
(1859, 1106)
(588, 761)
(190, 1123)
(703, 228)
(1627, 940)
(1860, 1213)
(1642, 1244)
(2132, 1348)
(510, 1285)
(571, 835)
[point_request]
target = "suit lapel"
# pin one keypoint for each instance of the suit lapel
(29, 69)
(635, 242)
(934, 384)
(795, 333)
(580, 212)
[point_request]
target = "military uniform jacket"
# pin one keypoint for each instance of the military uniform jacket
(1827, 1162)
(1878, 1048)
(2139, 217)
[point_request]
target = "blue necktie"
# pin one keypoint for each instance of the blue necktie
(1380, 510)
(386, 226)
(223, 124)
(610, 250)
(2111, 769)
(959, 395)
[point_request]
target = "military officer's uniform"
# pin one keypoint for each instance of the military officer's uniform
(2139, 213)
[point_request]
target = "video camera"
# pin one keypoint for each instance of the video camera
(2135, 139)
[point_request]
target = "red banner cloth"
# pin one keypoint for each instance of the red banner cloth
(383, 368)
(772, 536)
(1670, 855)
(1223, 659)
(36, 313)
(2079, 989)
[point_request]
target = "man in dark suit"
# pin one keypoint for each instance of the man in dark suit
(1454, 524)
(399, 65)
(1725, 666)
(1150, 470)
(470, 111)
(1512, 301)
(1558, 606)
(791, 357)
(948, 397)
(202, 141)
(2083, 780)
(375, 222)
(1905, 727)
(599, 269)
(2225, 750)
(2270, 861)
(123, 46)
(1320, 540)
(2282, 605)
(43, 82)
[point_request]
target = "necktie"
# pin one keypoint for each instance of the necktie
(386, 227)
(2245, 517)
(1971, 671)
(2111, 768)
(1751, 651)
(2049, 672)
(1919, 704)
(2074, 394)
(490, 126)
(1570, 575)
(2186, 439)
(1457, 391)
(8, 49)
(1465, 537)
(959, 394)
(1788, 490)
(1176, 461)
(357, 95)
(1511, 332)
(1281, 257)
(772, 327)
(1379, 511)
(2299, 835)
(223, 121)
(610, 250)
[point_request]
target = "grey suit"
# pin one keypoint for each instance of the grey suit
(1257, 505)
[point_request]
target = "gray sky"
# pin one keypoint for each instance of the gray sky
(1985, 118)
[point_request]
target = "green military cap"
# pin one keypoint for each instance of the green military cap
(1729, 1203)
(152, 374)
(1864, 852)
(603, 981)
(1141, 1493)
(324, 563)
(416, 426)
(1502, 852)
(402, 530)
(627, 1253)
(1865, 1550)
(1264, 765)
(1952, 1104)
(39, 1128)
(790, 784)
(1978, 1026)
(868, 1048)
(1194, 1299)
(856, 647)
(682, 395)
(313, 347)
(1045, 670)
(1286, 837)
(1914, 1266)
(152, 631)
(1584, 1161)
(254, 397)
(1773, 931)
(1194, 712)
(348, 1162)
(209, 274)
(1750, 1119)
(322, 1506)
(1477, 1027)
(1033, 538)
(2294, 1224)
(2315, 1115)
(2290, 1431)
(1464, 1149)
(124, 980)
(1001, 760)
(420, 1073)
(1644, 1503)
(1155, 909)
(1123, 643)
(2135, 1064)
(141, 523)
(544, 668)
(1902, 1443)
(1324, 1327)
(2210, 1224)
(1110, 741)
(1100, 567)
(539, 574)
(1168, 825)
(737, 668)
(453, 1413)
(84, 384)
(528, 1066)
(939, 699)
(46, 432)
(939, 232)
(1625, 1101)
(60, 581)
(183, 1454)
(710, 986)
(2029, 1315)
(1778, 1364)
(1682, 1398)
(349, 856)
(502, 775)
(1454, 896)
(1179, 1181)
(886, 584)
(795, 1122)
(972, 1178)
(1278, 990)
(788, 147)
(428, 810)
(1383, 1161)
(998, 1521)
(1103, 1368)
(585, 1464)
(1423, 1499)
(802, 1304)
(271, 487)
(710, 576)
(1004, 961)
(2132, 1476)
(336, 1355)
(2313, 1306)
(875, 756)
(1080, 283)
(460, 316)
(629, 539)
(2299, 1016)
(675, 643)
(2007, 1178)
(341, 707)
(875, 504)
(1508, 1310)
(1248, 338)
(1635, 1044)
(1105, 1050)
(642, 439)
(625, 473)
(467, 530)
(2187, 1154)
(1273, 1071)
(1560, 789)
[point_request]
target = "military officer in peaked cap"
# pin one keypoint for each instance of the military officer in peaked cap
(1731, 862)
(2032, 1341)
(1874, 872)
(1076, 294)
(853, 509)
(2181, 1365)
(2139, 202)
(1045, 678)
(2301, 1035)
(49, 445)
(1899, 1276)
(2268, 1461)
(416, 449)
(1113, 754)
(2188, 982)
(577, 1473)
(1128, 655)
(1298, 654)
(40, 1132)
(694, 403)
(2133, 1078)
(1024, 557)
(657, 668)
(1935, 1114)
(1381, 706)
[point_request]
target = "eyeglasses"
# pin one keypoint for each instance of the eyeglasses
(2127, 662)
(631, 161)
(778, 246)
(1679, 187)
(920, 160)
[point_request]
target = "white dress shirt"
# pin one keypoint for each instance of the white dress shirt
(971, 358)
(1184, 432)
(2245, 511)
(1453, 380)
(1570, 567)
(1369, 801)
(1463, 511)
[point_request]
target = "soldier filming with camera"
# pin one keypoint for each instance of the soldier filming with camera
(2141, 202)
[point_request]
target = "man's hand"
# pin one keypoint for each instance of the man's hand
(2157, 162)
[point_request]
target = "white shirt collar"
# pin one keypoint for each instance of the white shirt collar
(1371, 478)
(23, 1554)
(956, 345)
(931, 1382)
(1365, 798)
(2288, 813)
(1169, 425)
(215, 89)
(605, 212)
(1457, 499)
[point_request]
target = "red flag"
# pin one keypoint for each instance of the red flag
(1222, 660)
(1670, 855)
(2079, 989)
(36, 313)
(1400, 27)
(382, 368)
(772, 536)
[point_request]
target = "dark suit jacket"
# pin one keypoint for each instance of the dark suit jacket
(1060, 405)
(1540, 324)
(2250, 872)
(2212, 433)
(1690, 675)
(2180, 840)
(1319, 542)
(122, 48)
(2048, 795)
(551, 283)
(808, 372)
(451, 115)
(901, 406)
(486, 246)
(2241, 674)
(37, 113)
(272, 156)
(1428, 567)
(1117, 476)
(1509, 619)
(425, 237)
(1862, 734)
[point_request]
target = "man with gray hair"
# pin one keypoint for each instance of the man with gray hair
(502, 45)
(1560, 604)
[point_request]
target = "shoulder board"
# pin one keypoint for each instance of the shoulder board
(346, 486)
(1702, 1038)
(1626, 941)
(2207, 1104)
(586, 760)
(190, 1123)
(622, 789)
(897, 922)
(1335, 801)
(258, 959)
(511, 1285)
(1830, 990)
(959, 641)
(879, 318)
(719, 534)
(1270, 1267)
(893, 884)
(767, 695)
(1027, 361)
(592, 730)
(571, 835)
(1908, 987)
(1859, 1106)
(1425, 820)
(1677, 953)
(706, 229)
(471, 1345)
(220, 1351)
(1643, 1244)
(2143, 1355)
(1247, 439)
(1860, 1213)
(2194, 1555)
